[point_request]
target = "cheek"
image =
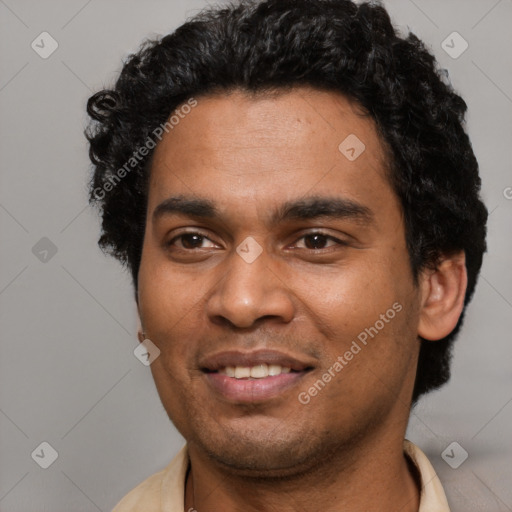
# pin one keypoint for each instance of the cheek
(369, 355)
(351, 296)
(368, 313)
(166, 296)
(169, 303)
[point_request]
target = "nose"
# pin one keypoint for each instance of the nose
(249, 292)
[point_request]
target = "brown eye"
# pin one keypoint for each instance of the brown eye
(191, 240)
(318, 241)
(315, 241)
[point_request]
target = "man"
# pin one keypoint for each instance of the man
(291, 186)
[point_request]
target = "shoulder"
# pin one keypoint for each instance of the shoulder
(432, 498)
(147, 493)
(165, 485)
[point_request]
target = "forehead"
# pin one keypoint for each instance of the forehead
(270, 149)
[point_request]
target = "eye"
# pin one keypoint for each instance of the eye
(190, 241)
(317, 241)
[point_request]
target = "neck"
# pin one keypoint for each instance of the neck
(370, 475)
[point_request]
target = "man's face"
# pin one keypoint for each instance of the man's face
(269, 274)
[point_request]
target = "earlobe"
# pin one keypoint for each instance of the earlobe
(141, 335)
(443, 292)
(140, 330)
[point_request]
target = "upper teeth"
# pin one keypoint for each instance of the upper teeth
(259, 371)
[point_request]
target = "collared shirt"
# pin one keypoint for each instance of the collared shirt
(165, 491)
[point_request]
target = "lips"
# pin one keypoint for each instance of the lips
(255, 376)
(249, 359)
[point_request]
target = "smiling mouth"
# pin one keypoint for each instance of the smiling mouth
(259, 371)
(253, 377)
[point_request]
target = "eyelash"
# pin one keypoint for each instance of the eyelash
(314, 233)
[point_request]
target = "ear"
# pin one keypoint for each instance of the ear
(140, 329)
(443, 291)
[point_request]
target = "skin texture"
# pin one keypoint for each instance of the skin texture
(198, 296)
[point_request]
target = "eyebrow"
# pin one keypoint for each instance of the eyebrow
(316, 207)
(309, 208)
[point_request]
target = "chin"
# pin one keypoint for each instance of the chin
(263, 453)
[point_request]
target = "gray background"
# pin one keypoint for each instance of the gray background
(68, 375)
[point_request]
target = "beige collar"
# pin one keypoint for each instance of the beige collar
(164, 491)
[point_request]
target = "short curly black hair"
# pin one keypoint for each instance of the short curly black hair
(273, 45)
